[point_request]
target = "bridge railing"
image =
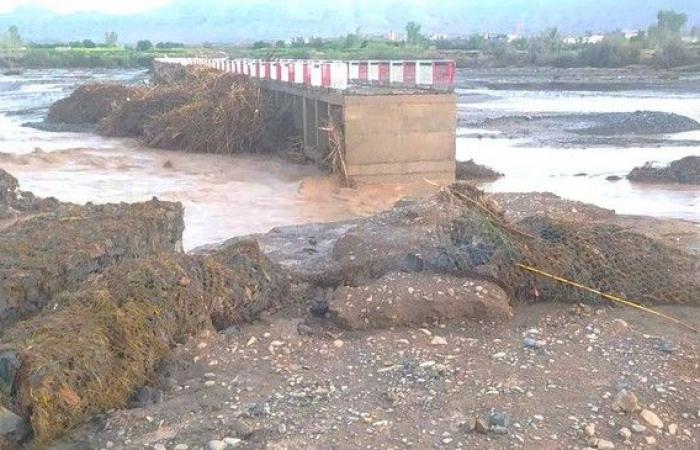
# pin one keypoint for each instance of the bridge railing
(338, 75)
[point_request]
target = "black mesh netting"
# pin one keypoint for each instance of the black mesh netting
(601, 256)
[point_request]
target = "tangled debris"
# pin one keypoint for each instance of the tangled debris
(196, 110)
(225, 115)
(89, 103)
(685, 170)
(48, 251)
(130, 118)
(460, 232)
(107, 338)
(469, 170)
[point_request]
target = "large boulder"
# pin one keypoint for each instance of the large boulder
(402, 299)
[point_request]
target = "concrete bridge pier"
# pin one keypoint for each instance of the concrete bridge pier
(394, 127)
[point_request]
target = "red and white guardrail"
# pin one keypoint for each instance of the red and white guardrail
(338, 75)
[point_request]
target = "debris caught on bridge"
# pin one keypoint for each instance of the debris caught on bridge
(90, 103)
(226, 116)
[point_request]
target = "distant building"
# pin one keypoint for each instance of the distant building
(691, 39)
(510, 37)
(437, 36)
(630, 34)
(593, 39)
(393, 36)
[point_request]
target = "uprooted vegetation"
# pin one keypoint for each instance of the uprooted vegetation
(685, 171)
(199, 110)
(90, 103)
(108, 338)
(53, 246)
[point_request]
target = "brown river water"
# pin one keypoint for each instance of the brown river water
(229, 196)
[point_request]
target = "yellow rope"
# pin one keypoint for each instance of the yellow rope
(610, 297)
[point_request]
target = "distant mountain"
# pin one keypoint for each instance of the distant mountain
(196, 21)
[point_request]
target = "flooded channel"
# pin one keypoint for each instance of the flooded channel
(226, 196)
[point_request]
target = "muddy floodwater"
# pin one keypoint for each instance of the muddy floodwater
(577, 169)
(223, 196)
(229, 196)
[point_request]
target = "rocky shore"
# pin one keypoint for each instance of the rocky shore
(684, 171)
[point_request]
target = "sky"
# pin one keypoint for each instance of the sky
(69, 6)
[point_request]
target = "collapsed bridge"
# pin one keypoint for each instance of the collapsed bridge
(395, 120)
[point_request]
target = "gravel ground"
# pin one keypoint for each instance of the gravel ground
(551, 376)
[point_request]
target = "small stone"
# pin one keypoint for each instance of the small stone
(499, 430)
(184, 282)
(182, 447)
(232, 442)
(241, 429)
(260, 409)
(638, 428)
(251, 341)
(481, 426)
(602, 444)
(664, 345)
(650, 440)
(673, 429)
(338, 343)
(619, 325)
(590, 429)
(210, 383)
(531, 343)
(651, 418)
(159, 447)
(625, 433)
(498, 419)
(438, 340)
(215, 444)
(12, 428)
(625, 401)
(469, 425)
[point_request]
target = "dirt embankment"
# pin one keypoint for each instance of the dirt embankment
(49, 246)
(685, 171)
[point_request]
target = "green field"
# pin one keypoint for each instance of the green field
(63, 57)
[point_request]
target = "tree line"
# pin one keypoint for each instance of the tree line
(12, 39)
